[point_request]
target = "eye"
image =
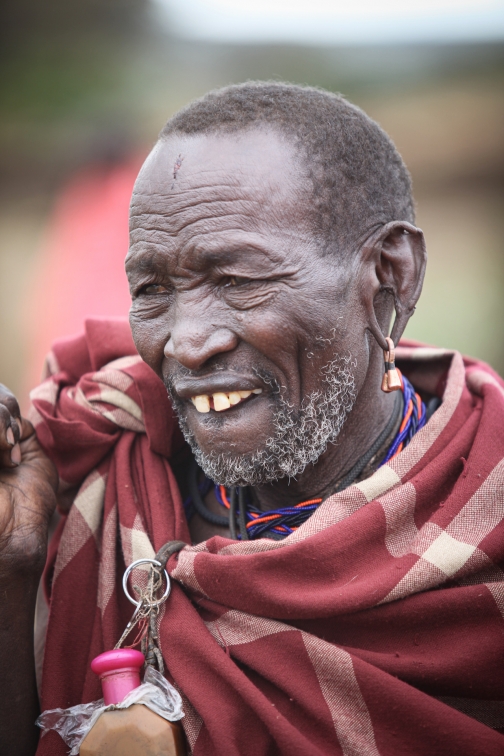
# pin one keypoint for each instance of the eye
(151, 290)
(237, 281)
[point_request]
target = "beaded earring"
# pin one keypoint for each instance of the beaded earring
(391, 380)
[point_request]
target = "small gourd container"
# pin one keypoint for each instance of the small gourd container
(135, 731)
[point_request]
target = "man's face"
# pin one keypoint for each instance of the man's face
(234, 307)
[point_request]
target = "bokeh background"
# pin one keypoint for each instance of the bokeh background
(86, 86)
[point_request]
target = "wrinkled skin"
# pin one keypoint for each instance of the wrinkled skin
(226, 278)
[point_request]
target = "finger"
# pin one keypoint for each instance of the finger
(10, 435)
(13, 429)
(26, 429)
(10, 418)
(15, 455)
(9, 429)
(8, 399)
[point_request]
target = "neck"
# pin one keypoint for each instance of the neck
(367, 420)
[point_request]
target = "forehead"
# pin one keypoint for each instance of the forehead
(248, 177)
(259, 157)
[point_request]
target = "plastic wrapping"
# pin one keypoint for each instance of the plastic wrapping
(74, 724)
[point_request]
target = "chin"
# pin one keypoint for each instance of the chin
(219, 443)
(232, 469)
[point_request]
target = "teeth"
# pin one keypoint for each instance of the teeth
(221, 400)
(202, 403)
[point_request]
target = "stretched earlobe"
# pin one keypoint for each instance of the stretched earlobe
(375, 329)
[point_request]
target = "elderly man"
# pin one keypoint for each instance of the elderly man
(337, 561)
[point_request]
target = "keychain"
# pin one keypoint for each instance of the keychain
(133, 718)
(147, 611)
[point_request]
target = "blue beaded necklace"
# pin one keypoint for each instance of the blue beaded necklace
(414, 418)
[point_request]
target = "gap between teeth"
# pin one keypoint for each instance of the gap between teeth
(221, 401)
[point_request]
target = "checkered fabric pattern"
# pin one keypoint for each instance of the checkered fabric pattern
(376, 629)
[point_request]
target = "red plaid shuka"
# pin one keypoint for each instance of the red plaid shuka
(377, 628)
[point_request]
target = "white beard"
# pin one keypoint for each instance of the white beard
(299, 438)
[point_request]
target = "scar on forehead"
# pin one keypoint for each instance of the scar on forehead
(176, 167)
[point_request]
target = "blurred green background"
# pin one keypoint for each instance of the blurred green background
(94, 81)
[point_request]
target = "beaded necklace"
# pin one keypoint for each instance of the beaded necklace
(275, 522)
(279, 523)
(414, 418)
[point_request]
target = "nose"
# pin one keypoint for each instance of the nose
(194, 339)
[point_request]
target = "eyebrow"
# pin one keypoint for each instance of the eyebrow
(143, 260)
(203, 254)
(210, 252)
(208, 257)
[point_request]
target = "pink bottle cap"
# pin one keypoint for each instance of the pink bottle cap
(119, 673)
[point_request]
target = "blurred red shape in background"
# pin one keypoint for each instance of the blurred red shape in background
(79, 271)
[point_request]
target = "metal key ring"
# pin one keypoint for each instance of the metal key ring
(126, 575)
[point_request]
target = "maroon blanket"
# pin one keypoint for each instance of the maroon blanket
(376, 628)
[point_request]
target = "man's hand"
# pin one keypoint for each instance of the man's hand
(28, 482)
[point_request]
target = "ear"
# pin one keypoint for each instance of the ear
(394, 261)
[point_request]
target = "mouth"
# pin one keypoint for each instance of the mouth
(221, 401)
(217, 392)
(224, 412)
